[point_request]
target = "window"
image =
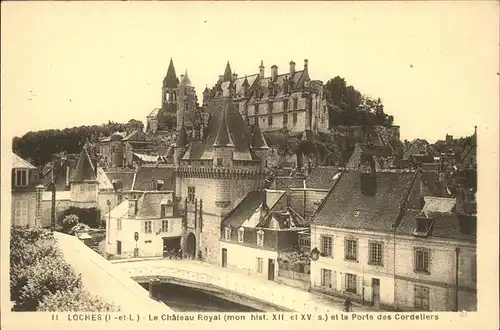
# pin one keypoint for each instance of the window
(423, 225)
(270, 107)
(164, 226)
(350, 282)
(191, 195)
(270, 120)
(294, 118)
(120, 198)
(260, 238)
(227, 234)
(473, 269)
(148, 226)
(421, 298)
(285, 120)
(21, 178)
(118, 224)
(260, 265)
(285, 105)
(163, 211)
(219, 161)
(256, 109)
(326, 278)
(376, 254)
(351, 249)
(295, 104)
(241, 234)
(326, 246)
(304, 242)
(422, 260)
(21, 212)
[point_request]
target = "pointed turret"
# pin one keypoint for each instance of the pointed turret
(171, 80)
(245, 87)
(258, 140)
(182, 137)
(223, 138)
(85, 170)
(227, 72)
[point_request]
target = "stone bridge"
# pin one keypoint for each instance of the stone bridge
(229, 284)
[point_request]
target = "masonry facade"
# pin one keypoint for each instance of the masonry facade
(289, 101)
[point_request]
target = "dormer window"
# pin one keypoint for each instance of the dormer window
(21, 177)
(423, 225)
(227, 233)
(260, 238)
(241, 235)
(157, 184)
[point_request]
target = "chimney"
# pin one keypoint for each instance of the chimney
(274, 72)
(132, 208)
(292, 68)
(261, 69)
(306, 63)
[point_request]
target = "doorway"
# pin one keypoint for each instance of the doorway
(375, 292)
(171, 246)
(119, 247)
(270, 269)
(224, 257)
(191, 246)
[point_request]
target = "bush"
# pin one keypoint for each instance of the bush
(89, 216)
(76, 300)
(69, 222)
(38, 271)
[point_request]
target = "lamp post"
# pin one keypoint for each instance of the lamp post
(109, 220)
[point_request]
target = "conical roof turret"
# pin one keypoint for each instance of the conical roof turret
(182, 137)
(171, 80)
(223, 138)
(227, 72)
(258, 140)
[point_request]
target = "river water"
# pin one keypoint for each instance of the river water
(184, 299)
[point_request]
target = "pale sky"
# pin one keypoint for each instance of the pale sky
(434, 64)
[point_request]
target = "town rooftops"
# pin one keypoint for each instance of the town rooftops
(19, 163)
(322, 177)
(347, 206)
(124, 178)
(148, 174)
(149, 204)
(85, 169)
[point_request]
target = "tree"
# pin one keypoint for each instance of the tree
(77, 300)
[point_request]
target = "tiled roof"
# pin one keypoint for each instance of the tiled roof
(258, 139)
(235, 124)
(104, 182)
(126, 178)
(244, 210)
(18, 162)
(445, 225)
(119, 211)
(146, 174)
(171, 80)
(346, 207)
(322, 177)
(288, 182)
(363, 153)
(149, 204)
(85, 170)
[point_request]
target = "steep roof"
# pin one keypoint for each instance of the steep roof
(322, 177)
(227, 72)
(445, 225)
(104, 182)
(223, 138)
(288, 182)
(236, 127)
(363, 153)
(345, 206)
(244, 210)
(126, 178)
(18, 162)
(147, 173)
(148, 205)
(171, 80)
(85, 170)
(258, 139)
(182, 137)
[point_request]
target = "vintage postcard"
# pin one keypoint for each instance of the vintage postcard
(250, 164)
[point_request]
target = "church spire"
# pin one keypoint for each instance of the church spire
(171, 80)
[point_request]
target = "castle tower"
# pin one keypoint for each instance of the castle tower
(223, 145)
(169, 90)
(186, 102)
(181, 144)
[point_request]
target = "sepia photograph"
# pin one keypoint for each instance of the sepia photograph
(278, 161)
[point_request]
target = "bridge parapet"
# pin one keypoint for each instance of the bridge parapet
(243, 285)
